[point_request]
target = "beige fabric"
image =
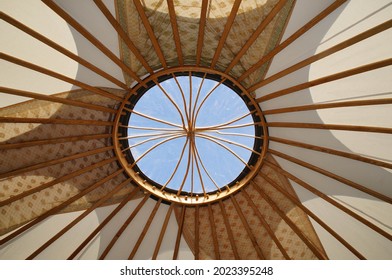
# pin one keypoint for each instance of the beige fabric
(251, 13)
(25, 209)
(293, 245)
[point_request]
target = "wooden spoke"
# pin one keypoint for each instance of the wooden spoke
(213, 231)
(187, 168)
(150, 128)
(152, 118)
(176, 34)
(234, 143)
(53, 74)
(316, 251)
(58, 208)
(93, 40)
(330, 200)
(229, 231)
(229, 127)
(265, 225)
(219, 126)
(100, 202)
(145, 229)
(235, 134)
(194, 157)
(57, 100)
(124, 36)
(197, 233)
(206, 97)
(229, 23)
(200, 36)
(6, 146)
(331, 151)
(150, 32)
(162, 233)
(179, 233)
(61, 49)
(313, 22)
(54, 121)
(205, 169)
(123, 227)
(313, 216)
(193, 117)
(152, 139)
(256, 33)
(104, 223)
(182, 96)
(323, 80)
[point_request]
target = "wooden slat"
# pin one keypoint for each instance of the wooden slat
(323, 80)
(333, 176)
(150, 32)
(53, 162)
(229, 231)
(103, 223)
(58, 208)
(163, 231)
(61, 49)
(313, 216)
(56, 75)
(265, 224)
(78, 27)
(54, 121)
(100, 202)
(56, 99)
(271, 15)
(293, 37)
(145, 230)
(124, 36)
(200, 36)
(213, 232)
(7, 146)
(332, 152)
(176, 34)
(179, 232)
(359, 128)
(330, 105)
(123, 227)
(330, 200)
(229, 23)
(247, 228)
(58, 180)
(341, 46)
(197, 233)
(316, 251)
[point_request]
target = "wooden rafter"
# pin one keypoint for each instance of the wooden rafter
(54, 121)
(150, 32)
(313, 22)
(124, 36)
(53, 74)
(322, 80)
(228, 229)
(163, 231)
(61, 49)
(271, 15)
(197, 233)
(176, 34)
(200, 36)
(213, 232)
(98, 44)
(222, 40)
(179, 232)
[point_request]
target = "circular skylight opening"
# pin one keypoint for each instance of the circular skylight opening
(190, 135)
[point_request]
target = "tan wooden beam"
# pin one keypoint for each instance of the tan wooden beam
(229, 231)
(271, 15)
(316, 251)
(330, 200)
(222, 41)
(56, 75)
(330, 105)
(213, 232)
(200, 36)
(179, 232)
(150, 32)
(53, 162)
(332, 152)
(313, 216)
(61, 49)
(197, 233)
(313, 22)
(97, 204)
(323, 80)
(265, 224)
(341, 46)
(54, 121)
(145, 230)
(123, 227)
(58, 208)
(56, 99)
(104, 223)
(86, 34)
(333, 176)
(124, 36)
(247, 228)
(163, 231)
(176, 34)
